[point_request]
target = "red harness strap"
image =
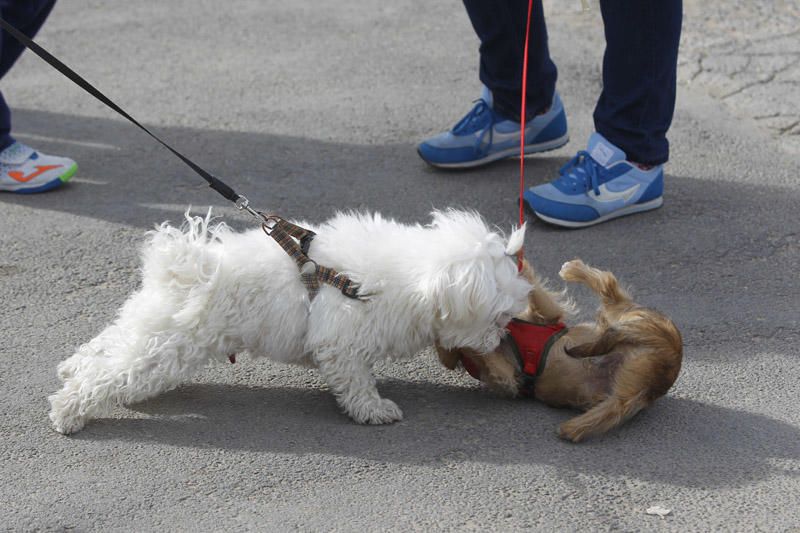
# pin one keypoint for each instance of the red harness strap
(531, 344)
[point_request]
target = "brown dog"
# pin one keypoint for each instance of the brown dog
(612, 369)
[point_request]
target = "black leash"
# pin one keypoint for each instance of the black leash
(282, 231)
(215, 183)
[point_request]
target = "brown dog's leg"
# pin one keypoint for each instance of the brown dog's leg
(602, 282)
(606, 342)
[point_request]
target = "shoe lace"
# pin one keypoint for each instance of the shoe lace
(582, 173)
(474, 121)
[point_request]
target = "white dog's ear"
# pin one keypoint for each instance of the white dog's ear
(462, 291)
(516, 240)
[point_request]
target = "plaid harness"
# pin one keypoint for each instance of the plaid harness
(296, 241)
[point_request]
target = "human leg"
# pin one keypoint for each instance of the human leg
(490, 131)
(636, 106)
(621, 170)
(500, 26)
(27, 16)
(23, 169)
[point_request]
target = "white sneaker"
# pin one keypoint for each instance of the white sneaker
(23, 170)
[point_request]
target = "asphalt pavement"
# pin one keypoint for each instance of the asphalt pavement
(314, 107)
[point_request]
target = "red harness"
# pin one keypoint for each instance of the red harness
(531, 343)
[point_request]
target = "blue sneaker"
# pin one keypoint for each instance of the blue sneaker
(598, 184)
(483, 136)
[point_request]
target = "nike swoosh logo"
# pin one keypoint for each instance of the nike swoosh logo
(22, 178)
(500, 137)
(612, 196)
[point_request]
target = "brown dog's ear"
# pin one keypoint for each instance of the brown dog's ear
(448, 358)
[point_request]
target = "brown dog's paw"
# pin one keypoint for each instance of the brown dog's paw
(448, 358)
(572, 270)
(571, 432)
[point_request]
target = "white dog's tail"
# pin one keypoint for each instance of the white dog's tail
(185, 259)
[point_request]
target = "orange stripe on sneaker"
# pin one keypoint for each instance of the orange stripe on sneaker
(22, 178)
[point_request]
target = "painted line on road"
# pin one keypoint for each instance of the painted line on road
(44, 138)
(88, 181)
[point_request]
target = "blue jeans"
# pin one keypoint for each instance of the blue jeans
(637, 102)
(27, 16)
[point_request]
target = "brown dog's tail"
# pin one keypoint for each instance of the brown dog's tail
(650, 350)
(608, 414)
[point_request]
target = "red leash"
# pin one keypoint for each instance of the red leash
(522, 128)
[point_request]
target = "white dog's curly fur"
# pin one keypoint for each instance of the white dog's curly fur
(208, 292)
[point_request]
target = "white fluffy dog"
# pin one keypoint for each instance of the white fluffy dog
(208, 292)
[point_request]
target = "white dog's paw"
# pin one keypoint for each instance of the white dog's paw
(64, 409)
(67, 425)
(380, 411)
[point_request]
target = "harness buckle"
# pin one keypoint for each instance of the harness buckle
(242, 202)
(269, 222)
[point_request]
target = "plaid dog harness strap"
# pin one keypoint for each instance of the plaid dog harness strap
(296, 242)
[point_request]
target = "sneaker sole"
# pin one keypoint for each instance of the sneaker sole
(630, 210)
(510, 152)
(50, 185)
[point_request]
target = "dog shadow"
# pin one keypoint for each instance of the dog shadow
(678, 441)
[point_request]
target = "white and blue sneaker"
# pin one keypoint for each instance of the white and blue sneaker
(483, 136)
(598, 184)
(24, 170)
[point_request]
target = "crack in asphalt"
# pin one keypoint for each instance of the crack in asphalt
(750, 72)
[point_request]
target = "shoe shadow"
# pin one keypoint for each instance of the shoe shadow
(676, 442)
(125, 177)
